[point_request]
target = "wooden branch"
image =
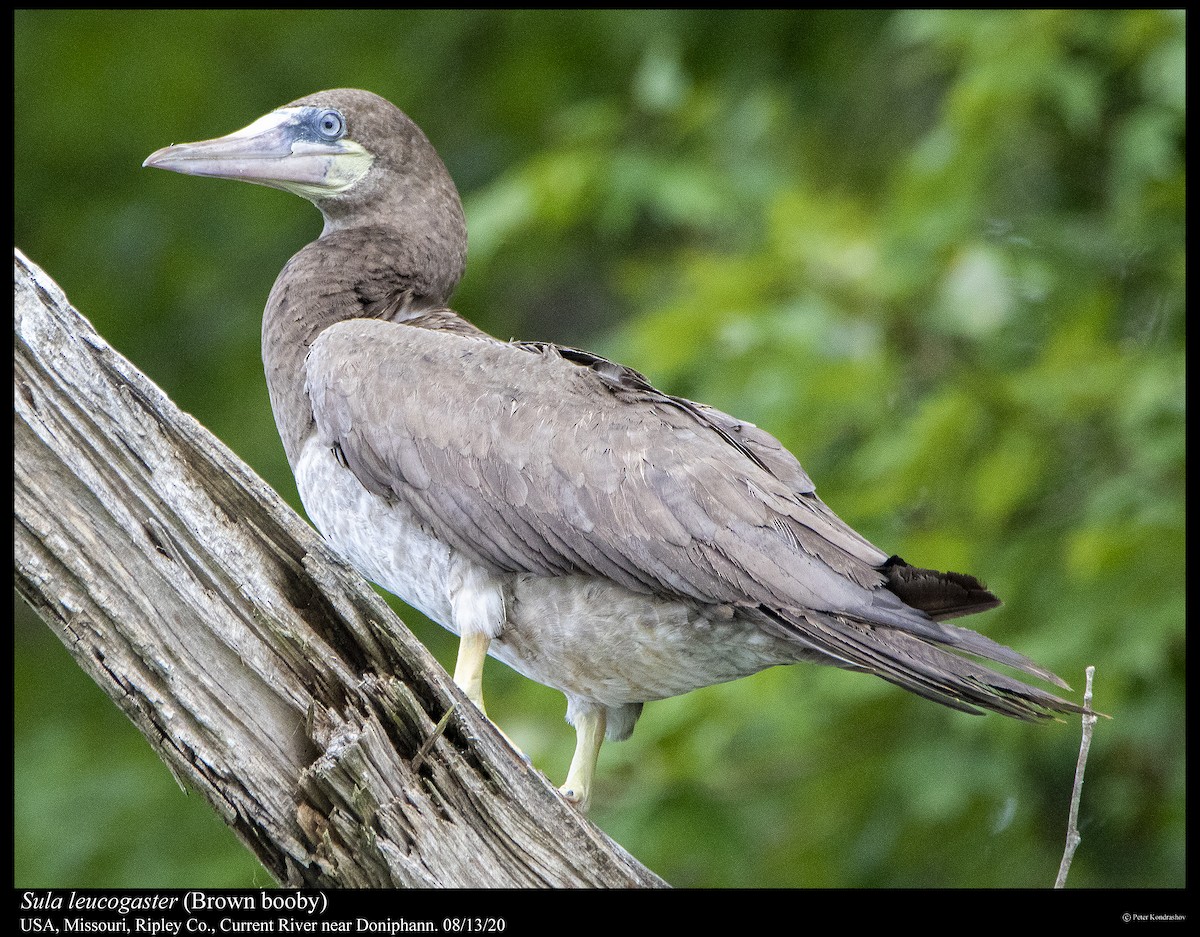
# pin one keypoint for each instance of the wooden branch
(266, 674)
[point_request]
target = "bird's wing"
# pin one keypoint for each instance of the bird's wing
(534, 458)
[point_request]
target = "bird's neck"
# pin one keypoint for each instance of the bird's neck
(346, 274)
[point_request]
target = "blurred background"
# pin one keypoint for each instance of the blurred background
(940, 255)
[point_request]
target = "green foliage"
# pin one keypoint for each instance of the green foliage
(939, 254)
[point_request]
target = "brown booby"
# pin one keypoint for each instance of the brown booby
(547, 505)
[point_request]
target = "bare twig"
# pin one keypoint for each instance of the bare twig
(1073, 837)
(438, 729)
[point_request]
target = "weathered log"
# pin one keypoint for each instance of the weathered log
(265, 673)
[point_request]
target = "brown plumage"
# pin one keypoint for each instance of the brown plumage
(548, 505)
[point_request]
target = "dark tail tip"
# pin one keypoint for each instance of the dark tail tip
(940, 595)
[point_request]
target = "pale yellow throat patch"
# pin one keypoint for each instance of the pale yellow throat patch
(341, 171)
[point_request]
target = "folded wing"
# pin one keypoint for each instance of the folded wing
(532, 458)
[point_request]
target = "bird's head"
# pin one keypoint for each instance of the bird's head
(353, 154)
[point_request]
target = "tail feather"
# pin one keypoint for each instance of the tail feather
(951, 595)
(928, 670)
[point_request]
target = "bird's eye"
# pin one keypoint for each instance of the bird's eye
(331, 125)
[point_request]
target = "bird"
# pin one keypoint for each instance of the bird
(549, 506)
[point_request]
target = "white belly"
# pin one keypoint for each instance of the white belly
(588, 637)
(598, 641)
(383, 541)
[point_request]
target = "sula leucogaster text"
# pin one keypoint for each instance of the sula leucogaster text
(549, 506)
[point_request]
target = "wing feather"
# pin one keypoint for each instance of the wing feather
(534, 458)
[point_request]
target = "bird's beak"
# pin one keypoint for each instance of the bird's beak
(276, 150)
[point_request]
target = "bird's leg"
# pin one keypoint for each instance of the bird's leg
(589, 736)
(468, 674)
(468, 669)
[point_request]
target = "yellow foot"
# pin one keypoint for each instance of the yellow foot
(574, 798)
(589, 736)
